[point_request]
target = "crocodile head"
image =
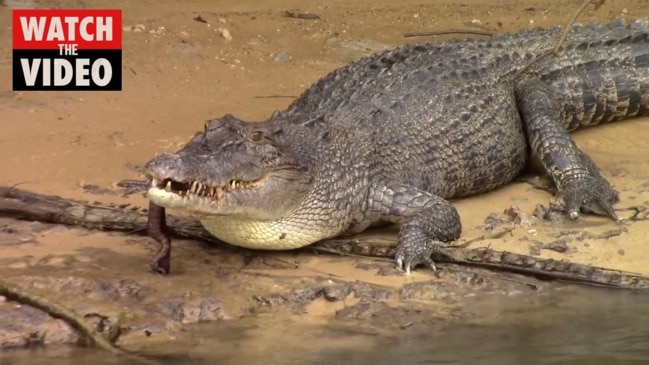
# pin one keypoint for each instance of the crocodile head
(233, 168)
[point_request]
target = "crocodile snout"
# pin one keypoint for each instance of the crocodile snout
(167, 166)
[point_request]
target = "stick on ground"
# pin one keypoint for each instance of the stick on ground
(53, 209)
(72, 318)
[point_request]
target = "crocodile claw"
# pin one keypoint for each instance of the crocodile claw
(589, 195)
(412, 253)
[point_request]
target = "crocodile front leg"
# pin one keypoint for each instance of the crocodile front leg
(428, 222)
(579, 182)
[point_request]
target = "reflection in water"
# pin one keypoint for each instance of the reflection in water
(573, 327)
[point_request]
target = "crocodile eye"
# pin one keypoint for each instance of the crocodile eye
(256, 136)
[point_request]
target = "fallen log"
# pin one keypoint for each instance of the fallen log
(21, 204)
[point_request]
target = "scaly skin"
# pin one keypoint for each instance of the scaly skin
(390, 137)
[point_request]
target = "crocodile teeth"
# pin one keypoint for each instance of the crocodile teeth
(196, 188)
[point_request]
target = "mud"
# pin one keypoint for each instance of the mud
(248, 59)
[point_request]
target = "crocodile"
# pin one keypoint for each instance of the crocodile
(393, 137)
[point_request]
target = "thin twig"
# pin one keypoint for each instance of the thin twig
(572, 20)
(449, 31)
(275, 97)
(564, 35)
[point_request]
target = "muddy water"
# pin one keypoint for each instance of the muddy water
(562, 331)
(579, 327)
(179, 72)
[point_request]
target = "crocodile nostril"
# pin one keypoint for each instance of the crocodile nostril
(164, 164)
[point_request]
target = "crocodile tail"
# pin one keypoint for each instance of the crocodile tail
(603, 78)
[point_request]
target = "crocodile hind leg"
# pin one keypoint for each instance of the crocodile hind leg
(579, 182)
(428, 222)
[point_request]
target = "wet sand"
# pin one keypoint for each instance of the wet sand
(179, 72)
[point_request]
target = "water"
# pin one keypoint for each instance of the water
(582, 327)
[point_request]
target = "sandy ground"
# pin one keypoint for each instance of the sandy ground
(179, 72)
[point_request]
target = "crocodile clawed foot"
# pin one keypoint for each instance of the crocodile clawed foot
(589, 195)
(412, 253)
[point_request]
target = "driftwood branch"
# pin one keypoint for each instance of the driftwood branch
(53, 209)
(72, 318)
(26, 205)
(500, 260)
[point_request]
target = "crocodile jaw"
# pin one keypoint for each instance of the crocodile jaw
(285, 233)
(172, 200)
